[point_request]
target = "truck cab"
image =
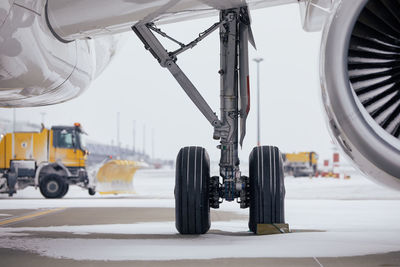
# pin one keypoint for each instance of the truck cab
(68, 146)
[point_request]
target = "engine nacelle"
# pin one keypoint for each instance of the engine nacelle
(36, 68)
(360, 76)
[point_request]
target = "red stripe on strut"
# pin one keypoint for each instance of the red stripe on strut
(248, 95)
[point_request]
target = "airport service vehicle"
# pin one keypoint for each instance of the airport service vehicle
(51, 50)
(55, 158)
(51, 159)
(300, 164)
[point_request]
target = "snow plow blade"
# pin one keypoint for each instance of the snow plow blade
(116, 177)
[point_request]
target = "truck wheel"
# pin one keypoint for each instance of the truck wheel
(192, 205)
(66, 188)
(11, 182)
(91, 191)
(52, 186)
(267, 189)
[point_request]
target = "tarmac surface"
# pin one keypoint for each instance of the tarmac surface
(334, 222)
(93, 216)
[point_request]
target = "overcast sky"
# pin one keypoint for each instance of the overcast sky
(136, 86)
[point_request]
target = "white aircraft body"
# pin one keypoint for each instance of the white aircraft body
(51, 50)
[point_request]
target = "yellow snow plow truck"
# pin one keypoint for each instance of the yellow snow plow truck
(51, 159)
(300, 164)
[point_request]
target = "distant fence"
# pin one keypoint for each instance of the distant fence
(100, 152)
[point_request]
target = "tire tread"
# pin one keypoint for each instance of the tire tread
(191, 191)
(266, 187)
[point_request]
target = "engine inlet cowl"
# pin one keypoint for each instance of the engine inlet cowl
(360, 76)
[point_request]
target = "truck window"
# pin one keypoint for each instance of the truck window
(82, 141)
(64, 139)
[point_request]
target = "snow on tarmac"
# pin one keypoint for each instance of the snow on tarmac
(213, 245)
(329, 218)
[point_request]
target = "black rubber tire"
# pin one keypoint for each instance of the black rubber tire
(91, 191)
(65, 190)
(52, 186)
(11, 182)
(192, 205)
(267, 189)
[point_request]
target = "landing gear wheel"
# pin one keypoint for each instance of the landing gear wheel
(52, 186)
(267, 189)
(65, 190)
(192, 207)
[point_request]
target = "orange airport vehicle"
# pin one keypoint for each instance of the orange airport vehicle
(300, 164)
(55, 158)
(50, 159)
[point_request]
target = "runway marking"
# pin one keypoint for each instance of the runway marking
(320, 264)
(29, 216)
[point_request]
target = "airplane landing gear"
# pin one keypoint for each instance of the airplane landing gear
(195, 190)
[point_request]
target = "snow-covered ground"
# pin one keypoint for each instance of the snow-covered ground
(159, 184)
(329, 218)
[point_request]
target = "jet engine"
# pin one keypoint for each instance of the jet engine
(38, 69)
(360, 77)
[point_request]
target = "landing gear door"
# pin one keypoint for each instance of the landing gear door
(244, 78)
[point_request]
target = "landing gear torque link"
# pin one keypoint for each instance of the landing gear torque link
(195, 191)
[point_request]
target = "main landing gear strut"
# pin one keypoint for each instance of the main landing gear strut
(195, 191)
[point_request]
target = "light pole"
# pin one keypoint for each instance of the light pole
(152, 144)
(258, 60)
(134, 137)
(118, 127)
(144, 139)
